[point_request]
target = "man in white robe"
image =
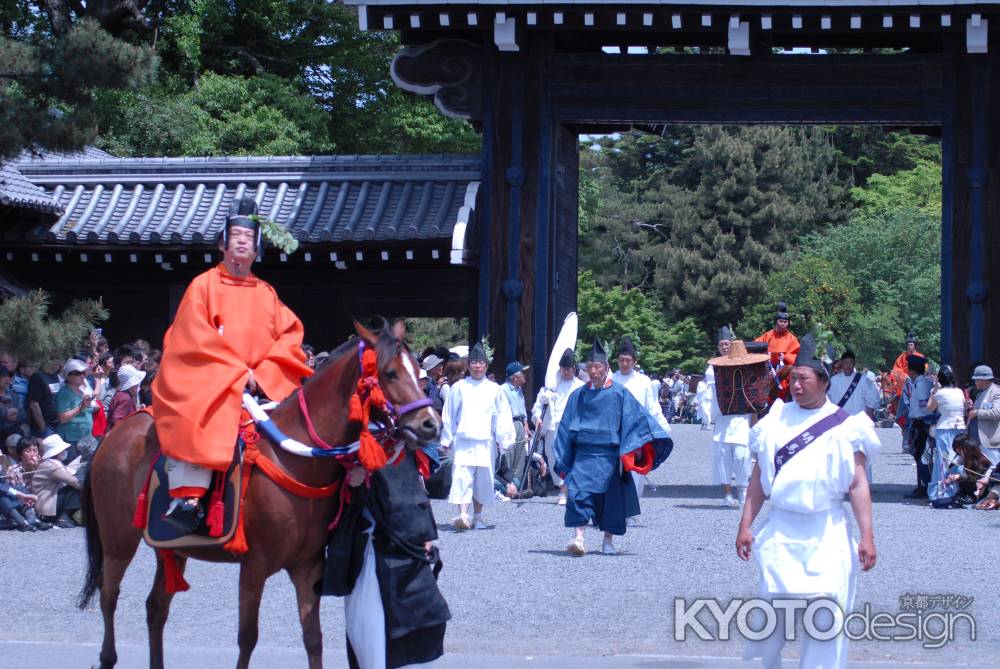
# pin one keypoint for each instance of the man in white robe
(641, 388)
(852, 390)
(477, 422)
(810, 454)
(730, 436)
(547, 419)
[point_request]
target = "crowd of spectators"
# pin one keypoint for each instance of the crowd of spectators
(53, 414)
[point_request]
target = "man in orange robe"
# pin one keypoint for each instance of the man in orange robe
(782, 346)
(911, 349)
(899, 373)
(231, 333)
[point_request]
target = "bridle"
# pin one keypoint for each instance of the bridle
(368, 394)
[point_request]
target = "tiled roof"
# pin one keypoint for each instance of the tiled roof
(18, 192)
(330, 199)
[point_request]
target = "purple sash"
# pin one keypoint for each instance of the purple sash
(850, 389)
(809, 435)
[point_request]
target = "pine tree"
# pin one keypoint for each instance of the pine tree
(48, 81)
(755, 192)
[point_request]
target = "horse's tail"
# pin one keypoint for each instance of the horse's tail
(95, 550)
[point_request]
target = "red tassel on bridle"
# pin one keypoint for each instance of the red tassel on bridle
(371, 455)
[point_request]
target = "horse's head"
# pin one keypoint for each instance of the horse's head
(418, 422)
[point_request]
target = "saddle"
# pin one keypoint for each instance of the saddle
(225, 488)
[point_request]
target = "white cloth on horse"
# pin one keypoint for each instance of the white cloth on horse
(182, 474)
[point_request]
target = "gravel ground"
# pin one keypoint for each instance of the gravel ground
(514, 592)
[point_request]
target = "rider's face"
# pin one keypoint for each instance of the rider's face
(242, 245)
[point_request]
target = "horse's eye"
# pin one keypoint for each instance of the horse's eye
(391, 374)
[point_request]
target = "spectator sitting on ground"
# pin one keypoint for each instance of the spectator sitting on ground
(126, 399)
(75, 403)
(969, 469)
(16, 500)
(27, 453)
(56, 485)
(42, 388)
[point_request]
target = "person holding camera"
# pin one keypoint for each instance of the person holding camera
(75, 404)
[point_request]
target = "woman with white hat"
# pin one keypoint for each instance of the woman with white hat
(126, 400)
(55, 484)
(75, 403)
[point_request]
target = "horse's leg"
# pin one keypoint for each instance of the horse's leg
(157, 610)
(304, 577)
(253, 574)
(111, 580)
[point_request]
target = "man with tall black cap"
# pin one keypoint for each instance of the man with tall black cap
(810, 454)
(782, 345)
(641, 388)
(477, 426)
(548, 420)
(603, 436)
(231, 334)
(730, 436)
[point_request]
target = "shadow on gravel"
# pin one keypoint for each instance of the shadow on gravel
(709, 507)
(683, 491)
(894, 493)
(447, 527)
(590, 553)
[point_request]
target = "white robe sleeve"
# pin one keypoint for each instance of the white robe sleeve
(449, 417)
(871, 396)
(503, 423)
(653, 407)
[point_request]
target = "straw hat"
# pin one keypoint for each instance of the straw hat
(738, 355)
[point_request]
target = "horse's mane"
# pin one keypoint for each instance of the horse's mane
(387, 345)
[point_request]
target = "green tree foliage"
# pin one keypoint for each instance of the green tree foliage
(819, 292)
(49, 80)
(224, 115)
(614, 313)
(892, 250)
(274, 77)
(873, 279)
(703, 214)
(29, 332)
(447, 332)
(865, 150)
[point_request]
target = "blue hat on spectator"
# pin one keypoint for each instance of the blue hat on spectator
(515, 367)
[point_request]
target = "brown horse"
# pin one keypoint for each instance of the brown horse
(283, 531)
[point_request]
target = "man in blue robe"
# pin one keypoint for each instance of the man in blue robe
(603, 436)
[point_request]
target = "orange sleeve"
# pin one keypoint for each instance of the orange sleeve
(281, 371)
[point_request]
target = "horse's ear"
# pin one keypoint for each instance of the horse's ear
(366, 335)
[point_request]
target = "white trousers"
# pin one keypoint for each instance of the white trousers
(829, 654)
(182, 474)
(549, 440)
(471, 483)
(730, 464)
